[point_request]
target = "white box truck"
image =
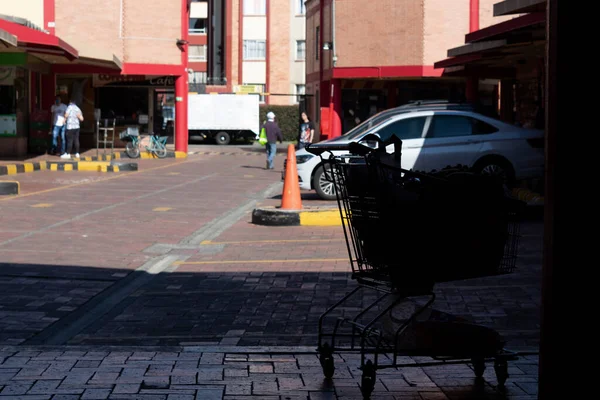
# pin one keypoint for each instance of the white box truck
(223, 117)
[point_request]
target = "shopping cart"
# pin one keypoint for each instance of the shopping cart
(406, 231)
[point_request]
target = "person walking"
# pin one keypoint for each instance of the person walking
(74, 117)
(58, 110)
(273, 135)
(307, 131)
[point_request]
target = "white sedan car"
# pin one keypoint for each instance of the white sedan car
(434, 139)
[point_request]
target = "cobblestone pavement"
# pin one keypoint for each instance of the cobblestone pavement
(148, 374)
(97, 265)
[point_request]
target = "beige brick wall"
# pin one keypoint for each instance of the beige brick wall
(150, 27)
(486, 14)
(32, 10)
(279, 50)
(312, 21)
(382, 32)
(445, 27)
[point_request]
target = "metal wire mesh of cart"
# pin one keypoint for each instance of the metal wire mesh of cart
(410, 230)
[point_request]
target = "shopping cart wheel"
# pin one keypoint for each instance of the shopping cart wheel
(326, 358)
(501, 369)
(478, 366)
(367, 383)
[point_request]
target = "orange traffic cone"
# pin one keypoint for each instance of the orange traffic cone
(290, 199)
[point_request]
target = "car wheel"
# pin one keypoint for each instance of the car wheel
(323, 185)
(497, 167)
(223, 138)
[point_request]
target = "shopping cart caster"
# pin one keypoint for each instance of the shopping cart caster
(478, 366)
(501, 369)
(367, 383)
(326, 359)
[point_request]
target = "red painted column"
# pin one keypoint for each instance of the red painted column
(49, 15)
(335, 108)
(474, 16)
(472, 89)
(181, 86)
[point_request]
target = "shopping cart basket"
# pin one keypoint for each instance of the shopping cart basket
(405, 231)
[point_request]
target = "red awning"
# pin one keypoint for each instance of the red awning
(34, 41)
(495, 31)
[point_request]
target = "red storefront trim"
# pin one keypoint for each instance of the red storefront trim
(240, 42)
(229, 42)
(398, 71)
(506, 26)
(152, 69)
(34, 40)
(49, 15)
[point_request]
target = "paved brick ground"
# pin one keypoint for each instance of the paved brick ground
(205, 276)
(194, 375)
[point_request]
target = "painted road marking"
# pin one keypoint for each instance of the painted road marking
(42, 205)
(101, 180)
(209, 242)
(174, 173)
(248, 176)
(161, 209)
(259, 261)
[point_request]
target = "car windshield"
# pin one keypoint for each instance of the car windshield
(359, 130)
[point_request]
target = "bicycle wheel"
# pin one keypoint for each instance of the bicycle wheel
(159, 149)
(132, 149)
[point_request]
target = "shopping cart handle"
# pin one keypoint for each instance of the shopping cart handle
(318, 149)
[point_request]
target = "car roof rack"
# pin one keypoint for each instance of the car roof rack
(426, 105)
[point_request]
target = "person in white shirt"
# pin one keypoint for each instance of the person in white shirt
(73, 117)
(58, 110)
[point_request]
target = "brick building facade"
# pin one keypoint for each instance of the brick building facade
(363, 57)
(136, 61)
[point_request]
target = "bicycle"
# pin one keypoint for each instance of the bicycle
(135, 143)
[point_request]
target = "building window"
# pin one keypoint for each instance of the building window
(197, 77)
(300, 89)
(255, 49)
(300, 7)
(300, 49)
(198, 25)
(255, 7)
(317, 41)
(197, 53)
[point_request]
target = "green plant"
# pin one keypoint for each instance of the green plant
(287, 117)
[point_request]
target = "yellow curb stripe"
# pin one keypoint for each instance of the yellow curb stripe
(53, 167)
(180, 154)
(68, 167)
(115, 168)
(191, 160)
(159, 209)
(42, 205)
(28, 167)
(320, 218)
(209, 242)
(259, 261)
(11, 169)
(93, 166)
(43, 166)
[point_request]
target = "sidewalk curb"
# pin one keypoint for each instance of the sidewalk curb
(9, 188)
(272, 216)
(147, 155)
(89, 166)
